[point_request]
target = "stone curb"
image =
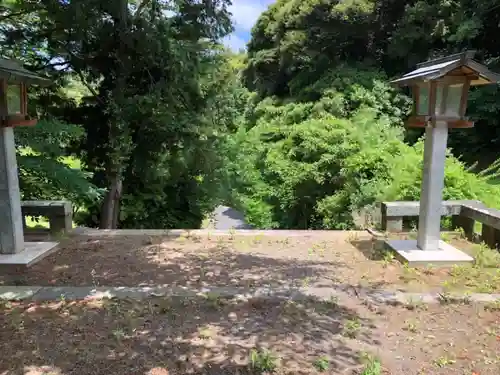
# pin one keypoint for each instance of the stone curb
(39, 293)
(90, 232)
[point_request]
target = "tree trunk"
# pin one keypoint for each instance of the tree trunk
(111, 204)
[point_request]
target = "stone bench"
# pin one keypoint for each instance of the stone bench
(464, 214)
(59, 213)
(489, 217)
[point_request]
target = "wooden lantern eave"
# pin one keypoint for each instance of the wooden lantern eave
(459, 68)
(12, 72)
(18, 120)
(424, 121)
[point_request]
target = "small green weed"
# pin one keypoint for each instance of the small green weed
(214, 300)
(257, 239)
(62, 298)
(322, 364)
(491, 332)
(333, 301)
(414, 304)
(409, 274)
(119, 334)
(410, 326)
(485, 257)
(443, 362)
(372, 366)
(387, 258)
(220, 243)
(352, 328)
(485, 286)
(448, 236)
(493, 306)
(459, 271)
(445, 298)
(460, 232)
(306, 281)
(205, 333)
(263, 360)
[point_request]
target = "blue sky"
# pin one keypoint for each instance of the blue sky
(245, 13)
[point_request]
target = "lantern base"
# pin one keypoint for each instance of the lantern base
(32, 253)
(444, 255)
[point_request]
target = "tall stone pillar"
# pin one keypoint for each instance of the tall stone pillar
(11, 224)
(429, 224)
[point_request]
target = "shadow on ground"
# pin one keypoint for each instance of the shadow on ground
(372, 249)
(199, 336)
(145, 261)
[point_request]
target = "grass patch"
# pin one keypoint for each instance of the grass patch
(263, 361)
(372, 366)
(352, 328)
(322, 364)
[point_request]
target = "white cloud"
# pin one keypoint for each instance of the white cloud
(234, 42)
(246, 12)
(244, 15)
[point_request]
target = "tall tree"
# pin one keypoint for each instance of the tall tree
(140, 60)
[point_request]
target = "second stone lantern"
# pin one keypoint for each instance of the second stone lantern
(440, 90)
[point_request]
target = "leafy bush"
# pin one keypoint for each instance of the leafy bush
(316, 171)
(45, 172)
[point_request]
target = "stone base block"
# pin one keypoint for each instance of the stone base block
(32, 253)
(445, 255)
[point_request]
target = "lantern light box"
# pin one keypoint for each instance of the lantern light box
(440, 89)
(14, 80)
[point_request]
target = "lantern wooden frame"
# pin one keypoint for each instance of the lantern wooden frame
(443, 73)
(12, 73)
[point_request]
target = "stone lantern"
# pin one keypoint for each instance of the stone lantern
(440, 89)
(14, 80)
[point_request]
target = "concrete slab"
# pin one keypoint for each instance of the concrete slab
(70, 293)
(445, 255)
(32, 253)
(37, 293)
(17, 293)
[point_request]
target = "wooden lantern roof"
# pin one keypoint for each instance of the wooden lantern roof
(13, 72)
(458, 65)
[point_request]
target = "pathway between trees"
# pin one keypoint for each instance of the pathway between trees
(225, 217)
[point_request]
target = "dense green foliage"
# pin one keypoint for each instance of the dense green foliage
(322, 141)
(303, 131)
(296, 41)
